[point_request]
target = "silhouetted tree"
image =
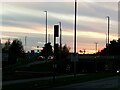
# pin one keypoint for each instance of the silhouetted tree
(62, 64)
(5, 49)
(114, 48)
(65, 51)
(15, 51)
(47, 50)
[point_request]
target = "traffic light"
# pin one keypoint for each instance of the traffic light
(56, 30)
(56, 48)
(56, 51)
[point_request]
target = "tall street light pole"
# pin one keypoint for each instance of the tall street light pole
(106, 40)
(48, 38)
(108, 27)
(60, 55)
(60, 36)
(46, 26)
(75, 38)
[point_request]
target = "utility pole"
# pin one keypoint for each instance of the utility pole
(25, 42)
(46, 27)
(75, 39)
(84, 51)
(96, 47)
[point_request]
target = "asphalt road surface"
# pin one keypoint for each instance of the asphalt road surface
(111, 83)
(34, 79)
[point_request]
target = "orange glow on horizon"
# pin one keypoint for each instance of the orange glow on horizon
(66, 32)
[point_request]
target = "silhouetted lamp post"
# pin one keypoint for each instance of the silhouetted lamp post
(108, 27)
(106, 39)
(48, 38)
(46, 26)
(75, 38)
(60, 36)
(60, 55)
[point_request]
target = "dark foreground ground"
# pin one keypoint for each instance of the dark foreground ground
(93, 81)
(111, 83)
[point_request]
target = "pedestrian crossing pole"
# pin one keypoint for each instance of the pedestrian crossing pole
(56, 34)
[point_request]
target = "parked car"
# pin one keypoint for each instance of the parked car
(41, 58)
(50, 58)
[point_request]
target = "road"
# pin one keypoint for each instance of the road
(110, 83)
(34, 79)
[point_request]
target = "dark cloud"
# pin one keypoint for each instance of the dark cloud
(84, 8)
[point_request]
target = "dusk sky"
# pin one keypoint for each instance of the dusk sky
(20, 19)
